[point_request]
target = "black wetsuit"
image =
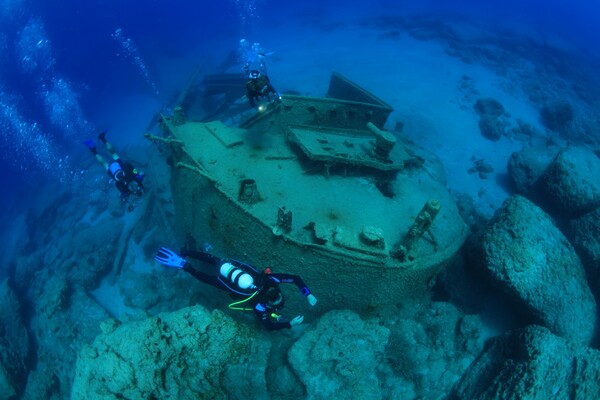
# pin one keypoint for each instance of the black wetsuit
(263, 281)
(123, 185)
(258, 88)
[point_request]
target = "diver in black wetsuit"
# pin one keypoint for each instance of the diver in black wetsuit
(259, 90)
(256, 291)
(259, 87)
(128, 180)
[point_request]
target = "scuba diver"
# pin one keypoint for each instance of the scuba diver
(128, 179)
(258, 85)
(253, 290)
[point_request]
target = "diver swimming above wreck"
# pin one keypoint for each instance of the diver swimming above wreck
(254, 291)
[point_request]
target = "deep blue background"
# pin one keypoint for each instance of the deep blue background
(87, 55)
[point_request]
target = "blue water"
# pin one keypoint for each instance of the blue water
(60, 65)
(67, 67)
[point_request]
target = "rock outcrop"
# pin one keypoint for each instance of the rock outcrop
(340, 357)
(14, 343)
(537, 267)
(571, 181)
(557, 115)
(532, 363)
(584, 233)
(190, 353)
(66, 318)
(525, 167)
(491, 124)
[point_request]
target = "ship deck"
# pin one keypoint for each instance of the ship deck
(332, 204)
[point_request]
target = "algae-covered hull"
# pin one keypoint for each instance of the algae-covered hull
(314, 187)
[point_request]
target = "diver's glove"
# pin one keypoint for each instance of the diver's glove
(297, 320)
(169, 258)
(312, 300)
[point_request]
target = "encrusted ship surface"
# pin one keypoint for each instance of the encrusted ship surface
(315, 187)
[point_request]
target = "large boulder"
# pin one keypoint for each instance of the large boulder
(557, 115)
(571, 181)
(340, 357)
(491, 124)
(525, 167)
(491, 127)
(529, 257)
(489, 106)
(430, 346)
(188, 354)
(533, 364)
(584, 233)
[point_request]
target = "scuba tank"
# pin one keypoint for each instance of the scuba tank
(236, 277)
(251, 275)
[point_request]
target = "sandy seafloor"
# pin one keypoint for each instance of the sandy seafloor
(430, 78)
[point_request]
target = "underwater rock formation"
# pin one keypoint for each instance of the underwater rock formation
(83, 254)
(418, 351)
(65, 319)
(532, 363)
(571, 182)
(584, 233)
(489, 106)
(525, 168)
(557, 116)
(538, 268)
(14, 343)
(98, 244)
(190, 353)
(490, 124)
(340, 357)
(66, 253)
(491, 127)
(425, 354)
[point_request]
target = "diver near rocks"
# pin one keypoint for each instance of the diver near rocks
(128, 180)
(252, 290)
(258, 86)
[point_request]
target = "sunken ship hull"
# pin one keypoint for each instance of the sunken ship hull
(315, 187)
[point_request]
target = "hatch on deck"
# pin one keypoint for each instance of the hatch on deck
(336, 146)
